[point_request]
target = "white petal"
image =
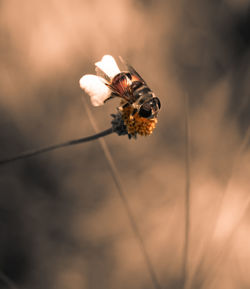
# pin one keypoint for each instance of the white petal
(108, 65)
(95, 87)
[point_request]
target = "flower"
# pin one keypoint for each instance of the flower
(138, 109)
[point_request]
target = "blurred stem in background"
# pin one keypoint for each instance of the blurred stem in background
(118, 182)
(187, 193)
(204, 261)
(7, 281)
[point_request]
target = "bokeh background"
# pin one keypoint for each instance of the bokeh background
(62, 222)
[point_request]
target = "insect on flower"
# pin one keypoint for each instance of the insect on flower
(138, 106)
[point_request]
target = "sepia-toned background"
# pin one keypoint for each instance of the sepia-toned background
(62, 222)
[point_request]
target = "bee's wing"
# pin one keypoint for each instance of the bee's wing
(108, 65)
(102, 74)
(96, 88)
(132, 71)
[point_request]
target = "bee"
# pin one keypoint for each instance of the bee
(139, 106)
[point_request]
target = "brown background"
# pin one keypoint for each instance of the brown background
(62, 223)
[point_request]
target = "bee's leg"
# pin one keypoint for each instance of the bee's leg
(128, 104)
(125, 105)
(113, 94)
(134, 111)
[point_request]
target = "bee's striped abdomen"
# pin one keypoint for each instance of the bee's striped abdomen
(142, 94)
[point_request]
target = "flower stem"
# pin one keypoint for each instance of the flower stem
(35, 152)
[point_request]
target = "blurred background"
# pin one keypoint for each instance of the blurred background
(62, 222)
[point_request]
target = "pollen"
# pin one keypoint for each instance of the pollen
(136, 124)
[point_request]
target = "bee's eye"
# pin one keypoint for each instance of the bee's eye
(128, 74)
(145, 110)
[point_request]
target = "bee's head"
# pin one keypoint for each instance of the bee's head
(150, 108)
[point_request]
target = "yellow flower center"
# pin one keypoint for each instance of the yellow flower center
(136, 124)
